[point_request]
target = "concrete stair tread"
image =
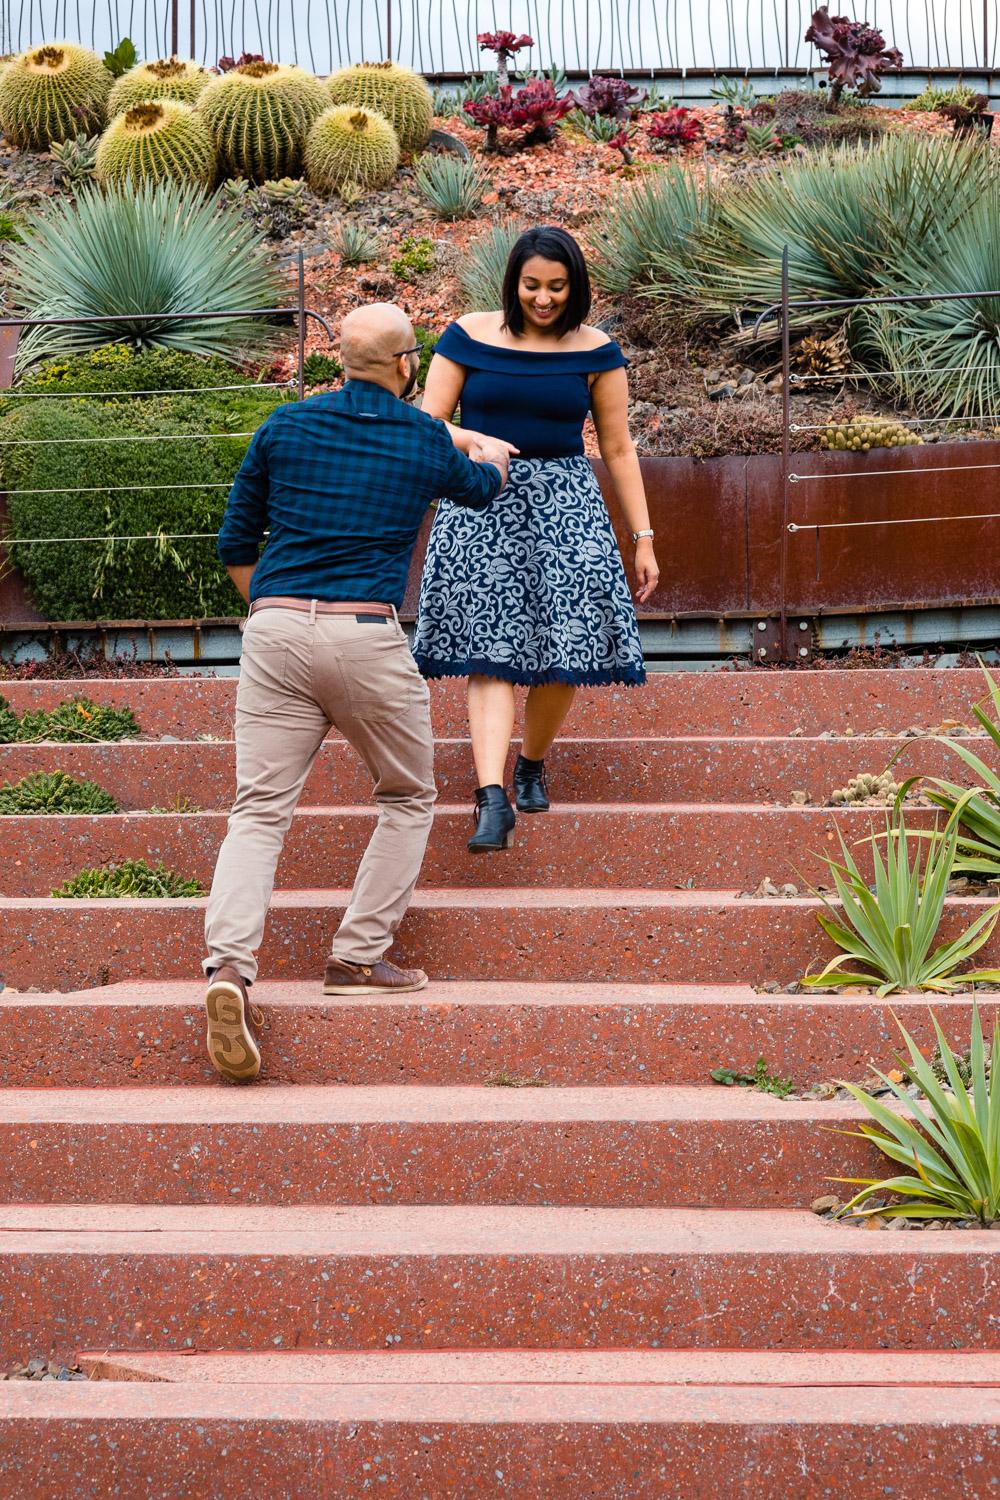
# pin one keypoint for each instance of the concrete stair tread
(729, 1368)
(335, 1104)
(429, 1231)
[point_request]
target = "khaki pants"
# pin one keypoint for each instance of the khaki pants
(300, 674)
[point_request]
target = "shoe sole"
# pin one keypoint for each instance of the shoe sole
(232, 1050)
(522, 809)
(508, 843)
(374, 989)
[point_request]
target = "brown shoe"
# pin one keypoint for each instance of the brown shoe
(378, 978)
(232, 1046)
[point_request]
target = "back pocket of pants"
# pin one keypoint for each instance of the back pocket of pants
(382, 683)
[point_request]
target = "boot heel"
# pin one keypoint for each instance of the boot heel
(508, 842)
(494, 818)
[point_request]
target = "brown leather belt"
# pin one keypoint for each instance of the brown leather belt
(322, 606)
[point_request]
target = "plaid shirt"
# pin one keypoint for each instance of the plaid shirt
(342, 482)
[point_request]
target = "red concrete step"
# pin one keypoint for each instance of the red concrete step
(158, 1278)
(613, 1147)
(452, 1033)
(588, 845)
(499, 1427)
(748, 770)
(674, 703)
(631, 936)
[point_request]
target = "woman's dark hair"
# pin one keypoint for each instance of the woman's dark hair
(550, 244)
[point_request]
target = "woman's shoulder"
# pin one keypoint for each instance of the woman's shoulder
(479, 325)
(592, 338)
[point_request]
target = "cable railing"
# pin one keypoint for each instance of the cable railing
(438, 37)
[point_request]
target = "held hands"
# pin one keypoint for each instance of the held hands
(487, 450)
(647, 573)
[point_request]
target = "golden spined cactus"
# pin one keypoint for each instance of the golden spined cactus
(824, 360)
(156, 141)
(260, 115)
(866, 789)
(861, 434)
(397, 93)
(53, 93)
(350, 151)
(167, 78)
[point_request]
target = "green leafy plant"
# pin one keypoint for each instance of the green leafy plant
(735, 93)
(158, 247)
(760, 1077)
(52, 93)
(54, 792)
(351, 151)
(932, 99)
(354, 242)
(454, 189)
(133, 878)
(260, 114)
(651, 221)
(396, 93)
(8, 722)
(77, 721)
(75, 160)
(952, 1153)
(166, 78)
(156, 141)
(321, 369)
(761, 140)
(122, 58)
(415, 258)
(425, 340)
(482, 271)
(445, 104)
(891, 932)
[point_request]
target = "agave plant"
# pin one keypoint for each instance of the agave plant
(485, 262)
(953, 1153)
(161, 248)
(652, 226)
(891, 931)
(454, 189)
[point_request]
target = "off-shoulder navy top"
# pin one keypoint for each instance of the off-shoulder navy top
(537, 401)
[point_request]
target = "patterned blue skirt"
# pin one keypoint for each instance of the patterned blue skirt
(531, 589)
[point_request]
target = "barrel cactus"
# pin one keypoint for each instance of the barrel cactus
(53, 93)
(399, 94)
(260, 114)
(156, 140)
(350, 151)
(167, 78)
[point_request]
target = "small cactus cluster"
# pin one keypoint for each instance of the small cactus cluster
(167, 78)
(350, 151)
(156, 141)
(75, 160)
(53, 93)
(865, 433)
(260, 114)
(881, 790)
(823, 360)
(398, 94)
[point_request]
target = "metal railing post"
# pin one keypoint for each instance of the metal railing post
(175, 27)
(194, 29)
(786, 418)
(302, 326)
(986, 34)
(388, 30)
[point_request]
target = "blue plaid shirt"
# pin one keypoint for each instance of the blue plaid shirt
(342, 482)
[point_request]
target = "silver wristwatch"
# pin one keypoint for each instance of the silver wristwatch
(637, 534)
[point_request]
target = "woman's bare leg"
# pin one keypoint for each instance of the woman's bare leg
(491, 724)
(544, 714)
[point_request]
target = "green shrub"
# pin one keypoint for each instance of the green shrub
(159, 247)
(144, 579)
(156, 141)
(77, 721)
(119, 367)
(425, 340)
(350, 151)
(454, 189)
(53, 792)
(8, 722)
(321, 369)
(657, 218)
(415, 258)
(932, 99)
(52, 93)
(260, 114)
(398, 94)
(482, 271)
(128, 880)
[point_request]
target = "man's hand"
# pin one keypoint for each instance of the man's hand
(487, 450)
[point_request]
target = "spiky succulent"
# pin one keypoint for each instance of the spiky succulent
(154, 141)
(53, 93)
(167, 78)
(53, 793)
(260, 114)
(397, 93)
(351, 151)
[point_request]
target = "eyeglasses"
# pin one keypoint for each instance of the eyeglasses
(414, 350)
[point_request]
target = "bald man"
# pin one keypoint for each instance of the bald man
(338, 486)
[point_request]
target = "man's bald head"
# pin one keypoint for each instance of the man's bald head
(370, 341)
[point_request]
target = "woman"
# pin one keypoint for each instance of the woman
(531, 591)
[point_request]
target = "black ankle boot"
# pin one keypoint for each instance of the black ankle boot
(494, 820)
(530, 786)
